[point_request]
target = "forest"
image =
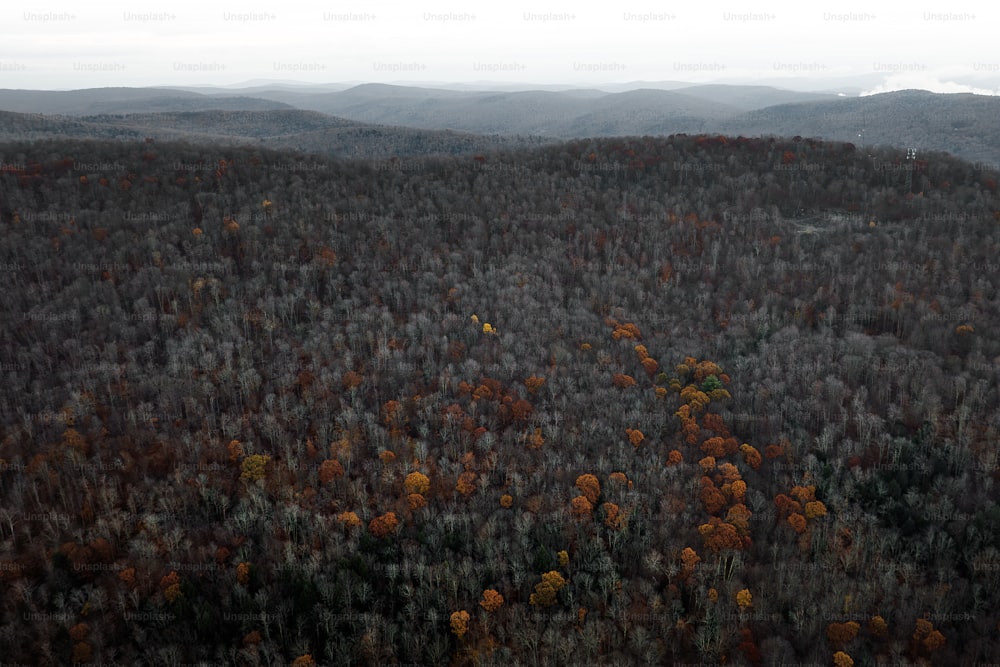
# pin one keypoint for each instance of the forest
(635, 400)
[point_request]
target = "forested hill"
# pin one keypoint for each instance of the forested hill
(643, 400)
(276, 129)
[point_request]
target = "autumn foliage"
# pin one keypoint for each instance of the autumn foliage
(492, 600)
(546, 590)
(384, 525)
(417, 482)
(460, 623)
(589, 486)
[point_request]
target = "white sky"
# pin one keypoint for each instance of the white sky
(943, 47)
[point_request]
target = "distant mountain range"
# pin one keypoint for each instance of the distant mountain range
(405, 119)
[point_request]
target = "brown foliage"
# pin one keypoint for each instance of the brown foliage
(840, 634)
(82, 652)
(589, 486)
(243, 573)
(521, 410)
(711, 497)
(352, 379)
(536, 439)
(79, 632)
(581, 508)
(466, 483)
(492, 600)
(751, 456)
(786, 505)
(614, 518)
(714, 446)
(534, 383)
(719, 535)
(382, 526)
(628, 331)
(622, 381)
(329, 470)
(798, 522)
(460, 623)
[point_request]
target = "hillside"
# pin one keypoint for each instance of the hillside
(686, 399)
(290, 129)
(962, 124)
(93, 101)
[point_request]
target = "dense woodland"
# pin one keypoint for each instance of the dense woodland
(688, 399)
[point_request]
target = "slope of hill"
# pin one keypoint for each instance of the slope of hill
(294, 129)
(747, 98)
(126, 100)
(963, 124)
(690, 399)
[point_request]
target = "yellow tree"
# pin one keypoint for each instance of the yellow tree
(744, 599)
(253, 467)
(417, 482)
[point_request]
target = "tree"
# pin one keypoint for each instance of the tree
(841, 659)
(614, 518)
(690, 558)
(839, 634)
(170, 586)
(466, 483)
(330, 470)
(546, 590)
(744, 599)
(384, 525)
(460, 623)
(622, 381)
(534, 383)
(417, 482)
(815, 509)
(589, 486)
(349, 519)
(581, 508)
(751, 456)
(878, 627)
(711, 497)
(243, 573)
(254, 467)
(492, 600)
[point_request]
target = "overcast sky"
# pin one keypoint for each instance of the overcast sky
(943, 47)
